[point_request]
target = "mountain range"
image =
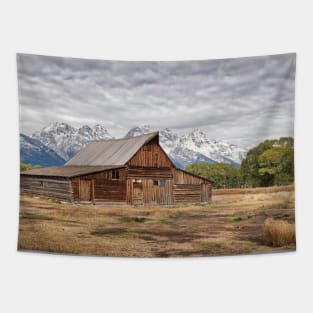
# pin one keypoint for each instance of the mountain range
(34, 152)
(64, 141)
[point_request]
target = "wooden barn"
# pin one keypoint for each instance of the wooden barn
(130, 171)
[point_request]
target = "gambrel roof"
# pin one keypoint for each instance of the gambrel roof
(113, 152)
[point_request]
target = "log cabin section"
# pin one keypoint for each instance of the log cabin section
(190, 188)
(102, 187)
(134, 171)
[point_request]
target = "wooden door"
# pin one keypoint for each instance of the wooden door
(85, 190)
(204, 193)
(137, 193)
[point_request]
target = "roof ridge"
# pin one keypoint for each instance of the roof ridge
(129, 138)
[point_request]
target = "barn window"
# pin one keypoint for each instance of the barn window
(115, 174)
(157, 183)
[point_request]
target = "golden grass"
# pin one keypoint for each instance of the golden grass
(231, 224)
(279, 232)
(252, 190)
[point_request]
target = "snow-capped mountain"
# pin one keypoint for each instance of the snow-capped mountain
(194, 147)
(137, 131)
(33, 152)
(185, 149)
(219, 151)
(66, 140)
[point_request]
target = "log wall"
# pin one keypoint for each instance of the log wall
(181, 177)
(189, 188)
(104, 188)
(187, 193)
(51, 187)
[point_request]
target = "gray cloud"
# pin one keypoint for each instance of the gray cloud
(243, 100)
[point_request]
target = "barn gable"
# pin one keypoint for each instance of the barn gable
(110, 152)
(151, 155)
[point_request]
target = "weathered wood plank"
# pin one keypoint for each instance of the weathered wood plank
(52, 188)
(187, 193)
(150, 155)
(39, 178)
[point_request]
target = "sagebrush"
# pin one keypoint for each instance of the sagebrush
(279, 232)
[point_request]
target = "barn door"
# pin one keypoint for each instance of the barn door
(85, 190)
(137, 193)
(204, 193)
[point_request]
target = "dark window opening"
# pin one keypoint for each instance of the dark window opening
(162, 183)
(155, 183)
(115, 174)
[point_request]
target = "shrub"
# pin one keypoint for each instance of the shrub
(25, 167)
(278, 232)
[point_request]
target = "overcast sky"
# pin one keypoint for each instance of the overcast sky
(242, 101)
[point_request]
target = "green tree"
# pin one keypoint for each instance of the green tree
(276, 165)
(25, 167)
(261, 171)
(223, 175)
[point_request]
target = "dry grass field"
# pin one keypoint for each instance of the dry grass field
(232, 224)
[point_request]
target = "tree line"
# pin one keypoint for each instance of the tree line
(26, 167)
(269, 163)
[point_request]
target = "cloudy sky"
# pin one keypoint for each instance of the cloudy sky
(242, 101)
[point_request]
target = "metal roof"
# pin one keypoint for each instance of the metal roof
(67, 171)
(110, 152)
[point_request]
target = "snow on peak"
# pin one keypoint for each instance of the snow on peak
(194, 146)
(168, 133)
(66, 140)
(59, 127)
(137, 131)
(86, 131)
(101, 132)
(183, 149)
(34, 152)
(216, 150)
